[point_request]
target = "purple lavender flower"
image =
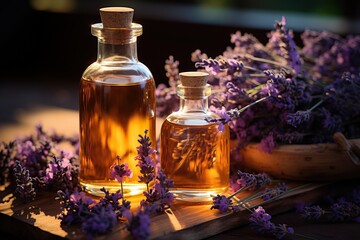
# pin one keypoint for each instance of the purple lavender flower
(261, 222)
(6, 151)
(267, 144)
(59, 173)
(311, 212)
(344, 210)
(95, 218)
(249, 71)
(24, 186)
(159, 197)
(146, 163)
(215, 66)
(76, 207)
(101, 220)
(197, 56)
(283, 43)
(120, 172)
(167, 100)
(113, 200)
(274, 192)
(139, 224)
(77, 197)
(224, 204)
(252, 181)
(296, 119)
(223, 117)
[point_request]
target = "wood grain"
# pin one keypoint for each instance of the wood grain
(310, 162)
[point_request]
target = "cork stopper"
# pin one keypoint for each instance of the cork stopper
(193, 79)
(116, 17)
(193, 85)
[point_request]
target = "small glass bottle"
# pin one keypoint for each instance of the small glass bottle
(194, 152)
(117, 103)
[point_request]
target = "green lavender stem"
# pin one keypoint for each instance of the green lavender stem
(268, 61)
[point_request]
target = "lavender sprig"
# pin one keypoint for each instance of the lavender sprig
(311, 212)
(261, 222)
(101, 220)
(113, 199)
(166, 98)
(249, 181)
(226, 116)
(146, 164)
(24, 186)
(159, 197)
(60, 174)
(6, 150)
(76, 207)
(139, 224)
(120, 172)
(95, 218)
(224, 204)
(218, 65)
(296, 119)
(339, 210)
(325, 70)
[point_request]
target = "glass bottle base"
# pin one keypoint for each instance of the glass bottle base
(190, 195)
(130, 189)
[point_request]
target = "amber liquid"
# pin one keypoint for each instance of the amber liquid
(112, 115)
(196, 157)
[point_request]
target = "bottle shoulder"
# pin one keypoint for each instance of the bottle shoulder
(191, 118)
(117, 72)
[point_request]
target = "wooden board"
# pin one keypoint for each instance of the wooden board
(38, 220)
(186, 221)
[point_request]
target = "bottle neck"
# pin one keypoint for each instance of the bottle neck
(193, 105)
(193, 99)
(108, 52)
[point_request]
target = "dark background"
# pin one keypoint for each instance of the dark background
(47, 44)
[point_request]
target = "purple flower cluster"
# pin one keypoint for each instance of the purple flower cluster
(338, 210)
(37, 163)
(120, 172)
(139, 224)
(113, 200)
(59, 173)
(310, 92)
(158, 198)
(6, 150)
(146, 163)
(76, 206)
(271, 193)
(95, 217)
(261, 222)
(282, 43)
(24, 183)
(166, 99)
(224, 204)
(250, 181)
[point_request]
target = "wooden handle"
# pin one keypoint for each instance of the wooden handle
(352, 150)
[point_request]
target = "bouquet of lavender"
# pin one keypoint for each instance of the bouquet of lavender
(280, 92)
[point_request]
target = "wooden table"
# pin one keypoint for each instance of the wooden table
(192, 222)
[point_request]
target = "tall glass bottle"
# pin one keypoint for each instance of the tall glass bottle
(194, 153)
(117, 103)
